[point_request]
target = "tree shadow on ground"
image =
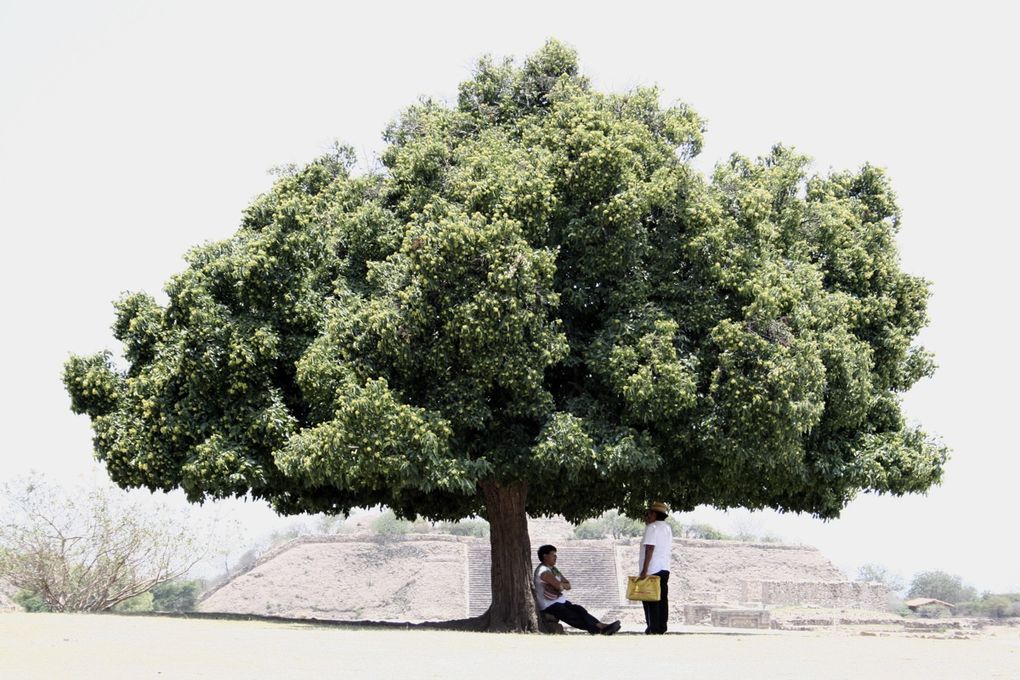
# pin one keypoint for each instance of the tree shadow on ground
(473, 624)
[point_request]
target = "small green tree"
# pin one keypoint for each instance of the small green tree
(465, 527)
(30, 602)
(537, 305)
(994, 606)
(941, 586)
(137, 604)
(388, 524)
(179, 595)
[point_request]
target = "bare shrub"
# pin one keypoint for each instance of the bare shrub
(90, 549)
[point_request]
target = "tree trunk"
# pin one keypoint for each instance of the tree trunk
(513, 605)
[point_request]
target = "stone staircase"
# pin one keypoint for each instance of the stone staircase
(590, 568)
(479, 569)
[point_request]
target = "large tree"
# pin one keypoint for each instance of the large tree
(536, 306)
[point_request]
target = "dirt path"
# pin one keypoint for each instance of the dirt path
(112, 647)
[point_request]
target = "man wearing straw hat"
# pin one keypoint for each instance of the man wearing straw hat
(653, 560)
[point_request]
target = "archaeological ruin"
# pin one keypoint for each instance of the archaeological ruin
(432, 577)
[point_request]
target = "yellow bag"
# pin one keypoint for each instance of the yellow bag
(643, 589)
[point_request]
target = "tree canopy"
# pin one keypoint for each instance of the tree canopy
(536, 290)
(941, 586)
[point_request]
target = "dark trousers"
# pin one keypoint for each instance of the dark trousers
(573, 615)
(656, 613)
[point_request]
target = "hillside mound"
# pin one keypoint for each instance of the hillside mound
(435, 577)
(352, 578)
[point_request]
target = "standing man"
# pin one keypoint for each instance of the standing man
(653, 560)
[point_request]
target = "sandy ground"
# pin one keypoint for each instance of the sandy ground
(77, 646)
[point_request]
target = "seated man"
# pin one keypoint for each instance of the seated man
(549, 587)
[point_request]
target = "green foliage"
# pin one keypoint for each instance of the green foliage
(176, 596)
(589, 529)
(992, 605)
(537, 288)
(941, 586)
(138, 603)
(933, 611)
(31, 601)
(878, 574)
(995, 606)
(700, 530)
(610, 525)
(388, 524)
(613, 525)
(465, 527)
(332, 524)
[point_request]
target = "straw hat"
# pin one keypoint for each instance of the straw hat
(658, 506)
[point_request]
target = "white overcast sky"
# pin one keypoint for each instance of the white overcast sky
(131, 131)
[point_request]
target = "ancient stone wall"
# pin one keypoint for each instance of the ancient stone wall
(353, 578)
(436, 577)
(831, 594)
(731, 572)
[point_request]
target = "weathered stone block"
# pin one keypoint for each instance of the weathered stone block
(740, 618)
(695, 614)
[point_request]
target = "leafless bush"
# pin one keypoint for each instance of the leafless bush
(89, 549)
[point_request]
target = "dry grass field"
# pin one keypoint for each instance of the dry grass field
(81, 647)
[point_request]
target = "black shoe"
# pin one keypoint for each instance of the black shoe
(611, 628)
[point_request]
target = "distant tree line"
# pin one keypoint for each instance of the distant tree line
(613, 525)
(609, 525)
(945, 587)
(180, 595)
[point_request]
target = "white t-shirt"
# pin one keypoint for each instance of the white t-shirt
(660, 535)
(544, 602)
